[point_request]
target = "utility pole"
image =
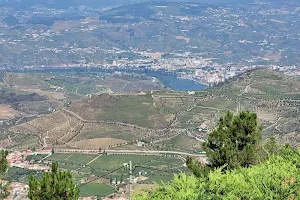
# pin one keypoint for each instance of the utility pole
(130, 178)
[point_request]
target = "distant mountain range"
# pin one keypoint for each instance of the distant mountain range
(108, 3)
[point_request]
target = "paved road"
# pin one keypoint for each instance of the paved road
(271, 126)
(129, 152)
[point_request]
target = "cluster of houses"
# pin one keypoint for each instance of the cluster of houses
(17, 191)
(18, 159)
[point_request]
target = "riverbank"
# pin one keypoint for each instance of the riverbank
(168, 79)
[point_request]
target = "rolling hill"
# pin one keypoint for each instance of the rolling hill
(161, 118)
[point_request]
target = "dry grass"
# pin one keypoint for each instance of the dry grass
(272, 117)
(52, 125)
(6, 111)
(273, 56)
(97, 143)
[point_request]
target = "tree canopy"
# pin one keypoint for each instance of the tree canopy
(3, 161)
(3, 168)
(54, 185)
(235, 141)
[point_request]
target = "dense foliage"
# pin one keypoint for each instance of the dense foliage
(276, 178)
(3, 169)
(3, 161)
(10, 97)
(235, 141)
(55, 185)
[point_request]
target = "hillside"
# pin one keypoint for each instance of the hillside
(274, 96)
(164, 120)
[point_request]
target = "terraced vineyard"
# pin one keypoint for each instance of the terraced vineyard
(157, 120)
(273, 96)
(156, 129)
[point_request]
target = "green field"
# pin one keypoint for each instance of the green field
(111, 162)
(72, 159)
(21, 175)
(108, 163)
(36, 157)
(91, 131)
(98, 190)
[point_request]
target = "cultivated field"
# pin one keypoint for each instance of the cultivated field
(94, 130)
(99, 190)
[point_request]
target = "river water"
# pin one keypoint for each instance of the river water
(168, 79)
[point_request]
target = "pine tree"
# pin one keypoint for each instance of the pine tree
(198, 169)
(54, 185)
(3, 161)
(3, 168)
(235, 141)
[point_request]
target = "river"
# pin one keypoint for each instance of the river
(168, 79)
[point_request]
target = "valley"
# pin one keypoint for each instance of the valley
(92, 131)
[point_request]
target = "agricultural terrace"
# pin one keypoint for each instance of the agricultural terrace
(273, 96)
(159, 118)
